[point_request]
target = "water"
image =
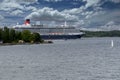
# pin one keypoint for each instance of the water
(81, 59)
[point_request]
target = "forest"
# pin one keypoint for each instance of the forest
(9, 35)
(114, 33)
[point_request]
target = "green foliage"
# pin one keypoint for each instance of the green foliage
(1, 31)
(114, 33)
(11, 36)
(5, 35)
(18, 36)
(26, 35)
(37, 37)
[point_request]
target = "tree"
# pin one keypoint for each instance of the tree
(1, 34)
(37, 37)
(5, 35)
(11, 35)
(18, 35)
(26, 35)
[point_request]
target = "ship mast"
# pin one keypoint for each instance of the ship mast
(65, 24)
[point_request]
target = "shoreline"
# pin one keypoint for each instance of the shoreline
(7, 44)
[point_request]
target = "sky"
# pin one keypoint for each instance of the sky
(103, 14)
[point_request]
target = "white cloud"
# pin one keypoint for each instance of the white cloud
(80, 23)
(1, 17)
(49, 14)
(15, 8)
(31, 8)
(85, 17)
(16, 12)
(111, 25)
(97, 3)
(81, 15)
(100, 18)
(82, 11)
(74, 11)
(92, 14)
(115, 1)
(8, 5)
(93, 18)
(91, 3)
(21, 1)
(53, 0)
(58, 0)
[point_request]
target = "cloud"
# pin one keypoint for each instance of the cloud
(94, 18)
(60, 0)
(88, 13)
(111, 25)
(86, 17)
(16, 12)
(31, 8)
(1, 17)
(83, 13)
(49, 14)
(53, 0)
(14, 8)
(100, 18)
(96, 3)
(9, 5)
(21, 1)
(74, 11)
(115, 1)
(90, 3)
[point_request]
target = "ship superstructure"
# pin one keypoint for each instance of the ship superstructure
(57, 32)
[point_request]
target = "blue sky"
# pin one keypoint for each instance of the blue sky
(81, 13)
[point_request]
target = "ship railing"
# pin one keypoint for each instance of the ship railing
(75, 33)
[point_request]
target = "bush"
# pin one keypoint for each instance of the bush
(11, 36)
(26, 36)
(37, 37)
(1, 31)
(5, 35)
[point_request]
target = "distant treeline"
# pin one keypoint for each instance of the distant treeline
(114, 33)
(8, 35)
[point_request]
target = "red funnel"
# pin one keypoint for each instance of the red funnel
(27, 21)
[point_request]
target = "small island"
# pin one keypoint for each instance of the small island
(9, 36)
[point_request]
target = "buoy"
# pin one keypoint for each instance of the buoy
(112, 43)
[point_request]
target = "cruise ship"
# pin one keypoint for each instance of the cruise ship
(57, 32)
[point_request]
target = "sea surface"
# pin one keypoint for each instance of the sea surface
(80, 59)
